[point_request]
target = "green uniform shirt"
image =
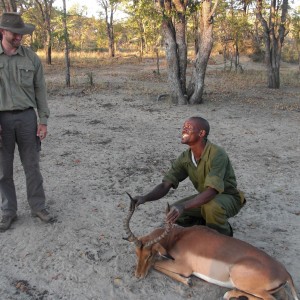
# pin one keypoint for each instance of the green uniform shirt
(22, 83)
(213, 170)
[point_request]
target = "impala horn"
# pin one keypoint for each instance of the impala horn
(131, 237)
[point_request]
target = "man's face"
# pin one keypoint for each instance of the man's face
(190, 132)
(12, 39)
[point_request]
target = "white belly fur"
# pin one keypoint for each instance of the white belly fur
(227, 284)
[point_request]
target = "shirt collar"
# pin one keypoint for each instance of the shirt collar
(194, 159)
(204, 154)
(20, 50)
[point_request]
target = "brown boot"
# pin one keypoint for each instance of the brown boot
(6, 222)
(44, 215)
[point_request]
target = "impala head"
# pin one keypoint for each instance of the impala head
(147, 247)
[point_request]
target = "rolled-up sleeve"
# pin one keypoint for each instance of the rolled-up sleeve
(215, 177)
(177, 172)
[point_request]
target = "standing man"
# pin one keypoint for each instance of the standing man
(209, 169)
(22, 89)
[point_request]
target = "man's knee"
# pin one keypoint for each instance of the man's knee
(213, 213)
(225, 228)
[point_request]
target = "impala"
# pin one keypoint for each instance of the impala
(211, 256)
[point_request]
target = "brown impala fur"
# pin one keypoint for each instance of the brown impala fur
(213, 257)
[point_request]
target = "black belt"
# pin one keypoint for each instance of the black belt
(16, 111)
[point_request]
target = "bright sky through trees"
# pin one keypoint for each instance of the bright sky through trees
(91, 5)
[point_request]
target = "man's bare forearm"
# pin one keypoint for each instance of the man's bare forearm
(158, 192)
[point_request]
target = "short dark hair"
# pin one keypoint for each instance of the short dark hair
(203, 124)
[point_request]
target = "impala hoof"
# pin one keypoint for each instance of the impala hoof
(233, 295)
(189, 281)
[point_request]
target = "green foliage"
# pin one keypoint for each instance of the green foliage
(142, 27)
(84, 33)
(233, 25)
(291, 49)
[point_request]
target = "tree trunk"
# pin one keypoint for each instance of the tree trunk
(49, 48)
(3, 6)
(177, 94)
(66, 38)
(224, 54)
(174, 31)
(156, 50)
(196, 32)
(9, 5)
(299, 60)
(274, 33)
(273, 63)
(298, 52)
(180, 29)
(109, 7)
(111, 46)
(236, 54)
(196, 88)
(45, 8)
(142, 38)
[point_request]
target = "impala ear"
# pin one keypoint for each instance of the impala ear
(168, 208)
(168, 256)
(128, 239)
(158, 248)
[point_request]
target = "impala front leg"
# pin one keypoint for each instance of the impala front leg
(161, 267)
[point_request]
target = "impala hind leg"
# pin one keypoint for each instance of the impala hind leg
(176, 276)
(240, 295)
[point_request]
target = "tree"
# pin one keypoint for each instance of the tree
(295, 31)
(274, 33)
(45, 7)
(40, 12)
(83, 32)
(143, 24)
(174, 31)
(206, 40)
(66, 37)
(109, 7)
(174, 14)
(8, 5)
(233, 29)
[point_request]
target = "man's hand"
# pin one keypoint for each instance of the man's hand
(137, 201)
(42, 131)
(174, 213)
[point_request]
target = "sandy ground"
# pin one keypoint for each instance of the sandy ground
(115, 137)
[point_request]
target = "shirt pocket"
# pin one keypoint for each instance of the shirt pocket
(25, 75)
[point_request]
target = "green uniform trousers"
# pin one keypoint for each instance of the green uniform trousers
(214, 214)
